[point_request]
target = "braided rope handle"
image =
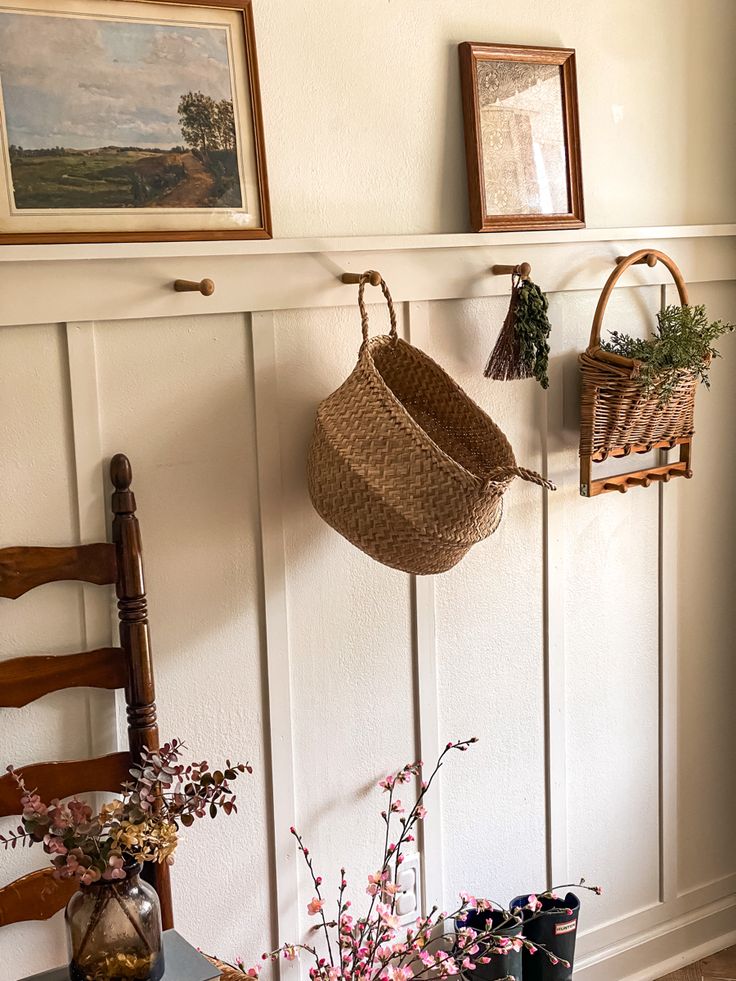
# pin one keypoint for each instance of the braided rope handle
(366, 278)
(503, 473)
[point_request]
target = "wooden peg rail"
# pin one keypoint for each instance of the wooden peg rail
(648, 260)
(205, 286)
(642, 478)
(523, 269)
(374, 278)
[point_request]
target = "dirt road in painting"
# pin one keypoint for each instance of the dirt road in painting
(194, 191)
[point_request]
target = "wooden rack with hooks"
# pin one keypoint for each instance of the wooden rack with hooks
(619, 418)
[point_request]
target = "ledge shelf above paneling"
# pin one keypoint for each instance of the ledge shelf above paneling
(118, 281)
(365, 243)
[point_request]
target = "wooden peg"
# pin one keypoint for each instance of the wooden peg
(621, 488)
(374, 278)
(523, 269)
(640, 481)
(205, 286)
(649, 260)
(661, 478)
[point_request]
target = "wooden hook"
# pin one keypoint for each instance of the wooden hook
(523, 269)
(640, 481)
(661, 478)
(649, 259)
(621, 488)
(205, 286)
(374, 278)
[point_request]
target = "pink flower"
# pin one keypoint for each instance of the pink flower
(421, 811)
(400, 973)
(426, 958)
(290, 953)
(374, 884)
(80, 811)
(54, 845)
(387, 782)
(314, 906)
(390, 919)
(470, 901)
(114, 868)
(253, 972)
(397, 807)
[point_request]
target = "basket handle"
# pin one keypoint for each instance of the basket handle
(504, 473)
(366, 278)
(595, 333)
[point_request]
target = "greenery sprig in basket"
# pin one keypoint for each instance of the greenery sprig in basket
(638, 394)
(682, 343)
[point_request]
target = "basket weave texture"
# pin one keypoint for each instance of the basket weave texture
(403, 463)
(615, 412)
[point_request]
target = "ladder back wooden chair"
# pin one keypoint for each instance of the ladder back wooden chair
(22, 680)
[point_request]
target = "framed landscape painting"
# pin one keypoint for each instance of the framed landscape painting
(130, 120)
(522, 137)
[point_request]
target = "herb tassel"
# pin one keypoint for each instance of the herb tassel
(522, 349)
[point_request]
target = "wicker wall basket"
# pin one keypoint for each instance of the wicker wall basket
(617, 418)
(402, 463)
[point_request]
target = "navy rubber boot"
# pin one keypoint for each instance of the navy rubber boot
(555, 929)
(500, 965)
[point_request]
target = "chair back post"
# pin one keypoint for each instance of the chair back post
(133, 612)
(135, 640)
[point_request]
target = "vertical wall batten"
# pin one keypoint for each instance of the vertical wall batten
(425, 633)
(276, 629)
(554, 633)
(668, 653)
(92, 509)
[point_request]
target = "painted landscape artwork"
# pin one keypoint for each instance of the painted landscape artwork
(113, 114)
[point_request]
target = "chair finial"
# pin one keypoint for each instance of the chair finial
(121, 472)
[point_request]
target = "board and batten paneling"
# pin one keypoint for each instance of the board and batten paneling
(277, 641)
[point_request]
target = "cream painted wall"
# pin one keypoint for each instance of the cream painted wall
(364, 129)
(181, 396)
(364, 135)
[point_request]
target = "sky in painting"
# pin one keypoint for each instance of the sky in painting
(81, 83)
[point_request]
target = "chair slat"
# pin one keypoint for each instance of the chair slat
(24, 679)
(23, 568)
(35, 897)
(65, 779)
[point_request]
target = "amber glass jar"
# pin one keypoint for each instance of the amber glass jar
(114, 931)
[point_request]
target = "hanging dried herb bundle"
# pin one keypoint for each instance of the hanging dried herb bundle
(522, 348)
(682, 343)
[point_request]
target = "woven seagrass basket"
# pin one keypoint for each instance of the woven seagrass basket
(402, 463)
(617, 417)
